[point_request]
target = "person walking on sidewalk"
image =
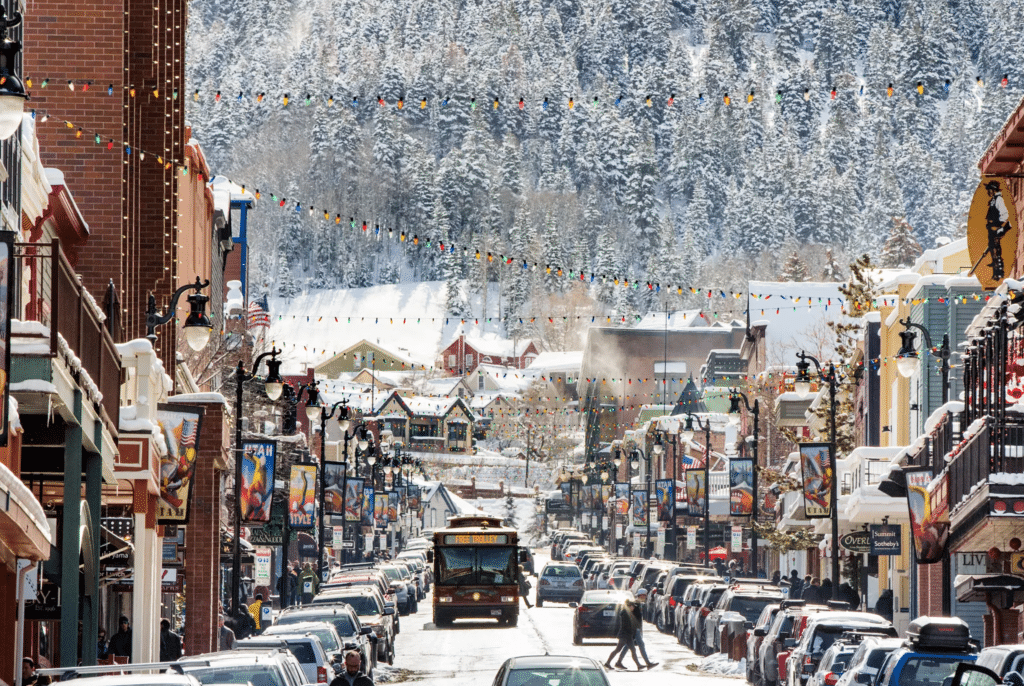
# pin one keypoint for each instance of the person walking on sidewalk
(626, 636)
(524, 587)
(638, 636)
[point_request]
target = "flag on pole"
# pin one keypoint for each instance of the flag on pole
(259, 315)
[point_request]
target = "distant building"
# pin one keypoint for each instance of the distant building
(429, 424)
(466, 352)
(364, 355)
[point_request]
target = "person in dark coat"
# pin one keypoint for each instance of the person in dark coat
(242, 623)
(776, 578)
(227, 636)
(170, 643)
(352, 676)
(884, 605)
(826, 591)
(121, 642)
(524, 586)
(812, 593)
(102, 646)
(849, 595)
(626, 638)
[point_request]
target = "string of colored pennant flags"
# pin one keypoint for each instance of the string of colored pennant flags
(319, 97)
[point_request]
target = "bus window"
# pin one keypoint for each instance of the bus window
(497, 566)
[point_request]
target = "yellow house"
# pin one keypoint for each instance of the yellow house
(363, 355)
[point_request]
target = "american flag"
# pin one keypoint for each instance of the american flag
(691, 462)
(259, 315)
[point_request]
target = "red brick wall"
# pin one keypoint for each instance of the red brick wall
(202, 538)
(929, 590)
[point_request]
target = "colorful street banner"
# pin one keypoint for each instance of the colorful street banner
(588, 497)
(392, 515)
(640, 505)
(353, 499)
(696, 491)
(403, 496)
(380, 509)
(665, 495)
(928, 501)
(302, 496)
(368, 507)
(334, 482)
(258, 462)
(566, 489)
(7, 291)
(606, 496)
(414, 498)
(180, 429)
(741, 487)
(816, 466)
(682, 503)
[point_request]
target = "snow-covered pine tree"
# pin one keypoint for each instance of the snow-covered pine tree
(831, 271)
(794, 270)
(900, 249)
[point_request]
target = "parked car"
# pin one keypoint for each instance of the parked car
(597, 615)
(550, 669)
(737, 607)
(935, 648)
(307, 649)
(401, 579)
(833, 664)
(1002, 659)
(276, 667)
(703, 605)
(674, 589)
(756, 636)
(789, 624)
(327, 634)
(561, 582)
(822, 631)
(354, 635)
(863, 666)
(372, 612)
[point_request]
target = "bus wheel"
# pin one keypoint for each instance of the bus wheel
(513, 620)
(440, 619)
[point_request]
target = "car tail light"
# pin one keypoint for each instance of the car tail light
(802, 626)
(807, 659)
(671, 602)
(545, 582)
(831, 679)
(582, 609)
(782, 665)
(704, 612)
(321, 675)
(579, 582)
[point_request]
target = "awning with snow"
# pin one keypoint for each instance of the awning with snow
(24, 532)
(999, 589)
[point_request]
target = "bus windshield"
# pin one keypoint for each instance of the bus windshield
(466, 566)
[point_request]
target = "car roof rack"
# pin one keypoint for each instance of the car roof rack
(837, 605)
(786, 604)
(66, 673)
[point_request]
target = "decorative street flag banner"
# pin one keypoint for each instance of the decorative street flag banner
(928, 500)
(261, 557)
(180, 427)
(741, 487)
(886, 539)
(665, 494)
(606, 496)
(302, 496)
(566, 493)
(682, 504)
(640, 507)
(415, 496)
(334, 481)
(587, 496)
(696, 491)
(392, 515)
(691, 537)
(380, 509)
(816, 465)
(258, 461)
(353, 499)
(368, 507)
(622, 498)
(737, 539)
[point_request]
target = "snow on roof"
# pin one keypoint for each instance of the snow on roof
(937, 253)
(560, 361)
(681, 319)
(507, 379)
(794, 312)
(225, 191)
(945, 280)
(442, 386)
(430, 407)
(463, 506)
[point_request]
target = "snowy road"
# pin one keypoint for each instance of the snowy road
(470, 652)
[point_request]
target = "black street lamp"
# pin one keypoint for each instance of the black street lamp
(197, 328)
(802, 385)
(634, 462)
(661, 438)
(908, 360)
(688, 432)
(314, 402)
(734, 411)
(273, 385)
(12, 91)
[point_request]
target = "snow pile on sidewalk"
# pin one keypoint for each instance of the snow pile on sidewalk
(719, 663)
(385, 673)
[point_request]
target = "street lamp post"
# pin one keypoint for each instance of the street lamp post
(321, 409)
(802, 385)
(197, 327)
(908, 361)
(734, 411)
(273, 385)
(688, 432)
(660, 440)
(634, 462)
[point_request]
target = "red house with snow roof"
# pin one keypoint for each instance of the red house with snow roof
(464, 353)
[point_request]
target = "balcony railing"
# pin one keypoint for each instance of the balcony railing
(58, 300)
(990, 450)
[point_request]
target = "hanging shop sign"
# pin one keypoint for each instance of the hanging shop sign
(258, 462)
(816, 466)
(741, 488)
(928, 502)
(992, 232)
(180, 427)
(886, 539)
(856, 542)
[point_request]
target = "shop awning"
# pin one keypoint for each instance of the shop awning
(24, 532)
(972, 588)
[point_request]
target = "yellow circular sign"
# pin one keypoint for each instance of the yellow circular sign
(992, 232)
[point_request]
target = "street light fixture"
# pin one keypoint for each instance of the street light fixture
(803, 387)
(12, 90)
(241, 376)
(197, 328)
(734, 413)
(315, 407)
(908, 359)
(688, 432)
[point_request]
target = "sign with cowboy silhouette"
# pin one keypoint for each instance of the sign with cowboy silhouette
(992, 232)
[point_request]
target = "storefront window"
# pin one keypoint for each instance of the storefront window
(457, 432)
